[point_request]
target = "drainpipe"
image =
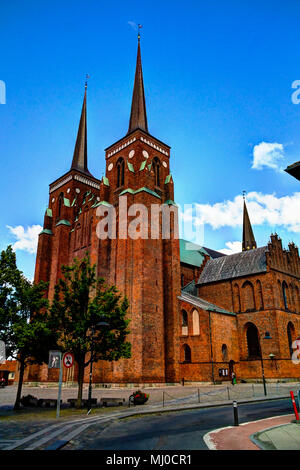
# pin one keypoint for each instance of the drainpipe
(211, 350)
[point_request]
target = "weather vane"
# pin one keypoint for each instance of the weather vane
(244, 194)
(139, 27)
(86, 79)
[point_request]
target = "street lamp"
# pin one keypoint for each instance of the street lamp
(267, 336)
(94, 327)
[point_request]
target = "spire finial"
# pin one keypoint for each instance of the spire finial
(139, 34)
(86, 81)
(244, 194)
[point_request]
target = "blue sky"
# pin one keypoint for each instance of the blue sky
(218, 80)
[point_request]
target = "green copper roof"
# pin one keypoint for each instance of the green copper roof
(93, 195)
(102, 203)
(130, 166)
(49, 212)
(190, 253)
(105, 181)
(63, 222)
(74, 200)
(149, 166)
(47, 231)
(143, 164)
(144, 189)
(66, 202)
(168, 179)
(170, 203)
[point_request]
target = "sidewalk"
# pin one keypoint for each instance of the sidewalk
(277, 433)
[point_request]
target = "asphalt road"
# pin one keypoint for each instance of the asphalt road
(182, 430)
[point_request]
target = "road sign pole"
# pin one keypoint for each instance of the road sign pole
(59, 385)
(294, 405)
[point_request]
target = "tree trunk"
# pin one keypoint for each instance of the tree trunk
(20, 383)
(80, 383)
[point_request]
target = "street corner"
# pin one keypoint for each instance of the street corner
(241, 437)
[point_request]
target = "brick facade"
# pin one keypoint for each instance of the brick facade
(173, 335)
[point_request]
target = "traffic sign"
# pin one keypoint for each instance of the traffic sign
(68, 360)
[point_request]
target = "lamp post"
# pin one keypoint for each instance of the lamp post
(267, 336)
(94, 327)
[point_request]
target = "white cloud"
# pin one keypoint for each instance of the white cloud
(263, 209)
(232, 247)
(268, 155)
(133, 25)
(27, 239)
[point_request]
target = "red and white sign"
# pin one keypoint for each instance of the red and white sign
(68, 360)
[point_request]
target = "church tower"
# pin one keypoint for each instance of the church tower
(146, 269)
(145, 266)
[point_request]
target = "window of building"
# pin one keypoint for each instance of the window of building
(156, 168)
(285, 294)
(184, 323)
(224, 352)
(120, 172)
(291, 335)
(248, 297)
(253, 341)
(187, 356)
(196, 325)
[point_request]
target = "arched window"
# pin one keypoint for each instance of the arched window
(60, 204)
(248, 297)
(90, 231)
(237, 298)
(187, 356)
(184, 323)
(297, 300)
(259, 295)
(120, 172)
(77, 237)
(291, 336)
(156, 168)
(285, 295)
(292, 297)
(196, 325)
(252, 341)
(224, 352)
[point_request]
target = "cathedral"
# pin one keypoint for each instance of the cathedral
(195, 313)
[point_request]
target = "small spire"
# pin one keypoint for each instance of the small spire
(138, 115)
(79, 161)
(249, 242)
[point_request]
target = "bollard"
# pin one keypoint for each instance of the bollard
(235, 413)
(298, 399)
(294, 405)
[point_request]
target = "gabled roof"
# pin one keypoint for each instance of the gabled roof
(203, 304)
(236, 265)
(193, 254)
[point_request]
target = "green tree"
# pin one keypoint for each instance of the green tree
(80, 302)
(23, 319)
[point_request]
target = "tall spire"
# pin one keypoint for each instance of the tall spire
(79, 161)
(138, 116)
(249, 242)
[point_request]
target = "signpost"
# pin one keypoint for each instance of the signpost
(56, 361)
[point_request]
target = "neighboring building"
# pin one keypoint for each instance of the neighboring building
(195, 313)
(8, 371)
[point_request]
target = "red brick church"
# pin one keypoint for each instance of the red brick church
(195, 313)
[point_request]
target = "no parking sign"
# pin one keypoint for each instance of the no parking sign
(68, 360)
